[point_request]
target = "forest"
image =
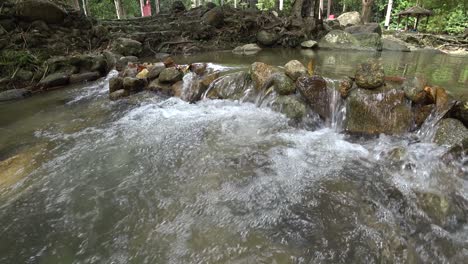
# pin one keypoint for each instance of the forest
(450, 16)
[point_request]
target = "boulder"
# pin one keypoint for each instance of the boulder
(394, 44)
(214, 17)
(247, 49)
(170, 75)
(55, 79)
(338, 39)
(84, 77)
(230, 86)
(14, 94)
(46, 11)
(295, 69)
(349, 19)
(155, 70)
(372, 112)
(414, 90)
(127, 47)
(115, 84)
(178, 6)
(450, 132)
(208, 79)
(133, 85)
(460, 111)
(366, 28)
(118, 94)
(369, 41)
(309, 44)
(290, 106)
(370, 75)
(24, 75)
(267, 38)
(261, 73)
(282, 84)
(316, 93)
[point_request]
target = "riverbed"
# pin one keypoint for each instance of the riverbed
(151, 179)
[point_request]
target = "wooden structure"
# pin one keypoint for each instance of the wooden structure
(415, 11)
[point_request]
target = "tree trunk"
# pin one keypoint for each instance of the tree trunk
(329, 3)
(296, 10)
(157, 7)
(281, 3)
(253, 4)
(142, 8)
(389, 13)
(118, 9)
(76, 4)
(320, 10)
(344, 8)
(366, 10)
(85, 7)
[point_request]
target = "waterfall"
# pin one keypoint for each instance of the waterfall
(337, 106)
(427, 131)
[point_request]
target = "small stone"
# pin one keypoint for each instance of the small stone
(169, 62)
(163, 88)
(295, 69)
(370, 75)
(155, 70)
(345, 87)
(198, 68)
(170, 75)
(208, 79)
(261, 73)
(143, 74)
(309, 44)
(282, 84)
(442, 100)
(115, 84)
(118, 94)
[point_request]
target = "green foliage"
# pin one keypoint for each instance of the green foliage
(12, 60)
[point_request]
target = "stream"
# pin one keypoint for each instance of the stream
(158, 180)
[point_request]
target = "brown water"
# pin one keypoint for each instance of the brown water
(158, 180)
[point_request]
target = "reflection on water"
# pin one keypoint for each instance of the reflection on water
(449, 72)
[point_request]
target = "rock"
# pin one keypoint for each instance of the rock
(208, 79)
(460, 111)
(442, 99)
(169, 62)
(19, 166)
(338, 39)
(414, 90)
(450, 132)
(370, 75)
(127, 47)
(133, 85)
(282, 84)
(261, 73)
(309, 44)
(40, 25)
(178, 6)
(198, 68)
(170, 75)
(231, 86)
(46, 11)
(369, 41)
(366, 28)
(24, 75)
(118, 94)
(349, 19)
(267, 38)
(163, 88)
(214, 17)
(394, 44)
(155, 70)
(55, 79)
(99, 64)
(143, 74)
(130, 72)
(210, 5)
(421, 113)
(247, 49)
(100, 31)
(289, 106)
(345, 87)
(330, 25)
(14, 94)
(84, 77)
(316, 93)
(372, 112)
(177, 89)
(115, 84)
(295, 69)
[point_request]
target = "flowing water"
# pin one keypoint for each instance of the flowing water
(159, 180)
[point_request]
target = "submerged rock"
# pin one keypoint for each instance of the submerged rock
(373, 112)
(295, 69)
(291, 106)
(247, 49)
(450, 132)
(261, 73)
(369, 41)
(14, 94)
(47, 11)
(349, 19)
(370, 75)
(314, 89)
(127, 47)
(267, 38)
(116, 95)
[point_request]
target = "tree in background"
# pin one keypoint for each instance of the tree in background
(366, 10)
